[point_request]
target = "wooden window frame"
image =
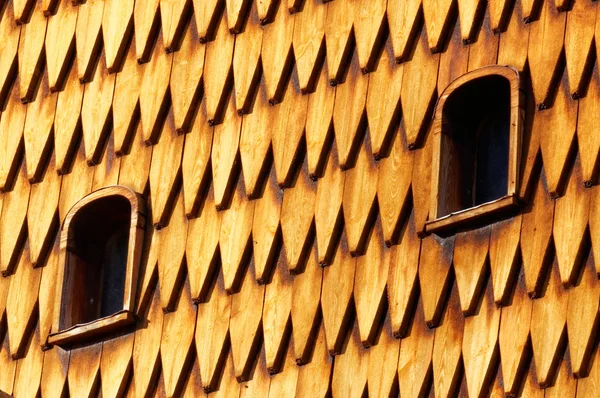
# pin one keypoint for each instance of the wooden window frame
(124, 317)
(509, 202)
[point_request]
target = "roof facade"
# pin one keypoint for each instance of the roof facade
(284, 152)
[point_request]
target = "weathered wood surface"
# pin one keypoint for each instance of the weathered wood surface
(273, 138)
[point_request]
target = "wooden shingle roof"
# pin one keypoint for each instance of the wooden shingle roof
(283, 148)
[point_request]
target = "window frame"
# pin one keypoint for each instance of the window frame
(124, 317)
(479, 213)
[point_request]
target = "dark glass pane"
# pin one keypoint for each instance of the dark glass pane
(475, 142)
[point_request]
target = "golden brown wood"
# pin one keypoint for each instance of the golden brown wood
(54, 372)
(578, 45)
(447, 348)
(360, 190)
(404, 20)
(402, 282)
(107, 172)
(437, 21)
(96, 111)
(504, 244)
(176, 342)
(135, 167)
(29, 369)
(146, 25)
(154, 92)
(266, 231)
(418, 95)
(306, 294)
(369, 31)
(47, 293)
(383, 363)
(297, 220)
(565, 384)
(67, 123)
(117, 27)
(195, 163)
(246, 70)
(434, 269)
(548, 331)
(338, 26)
(589, 386)
(336, 293)
(313, 378)
(147, 347)
(218, 72)
(165, 173)
(212, 325)
(30, 54)
(9, 367)
(514, 42)
(60, 43)
(349, 117)
(201, 253)
(470, 13)
(207, 15)
(12, 123)
(258, 386)
(171, 257)
(38, 129)
(513, 338)
(414, 364)
(588, 121)
(287, 130)
(328, 210)
(454, 61)
(9, 37)
(225, 155)
(116, 365)
(470, 266)
(84, 370)
(383, 102)
(318, 124)
(557, 148)
(21, 303)
(350, 369)
(87, 38)
(276, 318)
(582, 319)
(244, 325)
(545, 45)
(480, 345)
(255, 142)
(125, 109)
(235, 239)
(173, 17)
(308, 41)
(535, 238)
(484, 51)
(369, 286)
(393, 188)
(186, 74)
(570, 224)
(13, 230)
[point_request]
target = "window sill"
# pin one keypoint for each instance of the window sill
(87, 331)
(472, 216)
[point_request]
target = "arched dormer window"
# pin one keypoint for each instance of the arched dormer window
(476, 144)
(100, 247)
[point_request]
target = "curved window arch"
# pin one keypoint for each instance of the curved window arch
(476, 143)
(100, 250)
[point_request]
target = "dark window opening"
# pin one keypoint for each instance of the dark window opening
(97, 260)
(475, 144)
